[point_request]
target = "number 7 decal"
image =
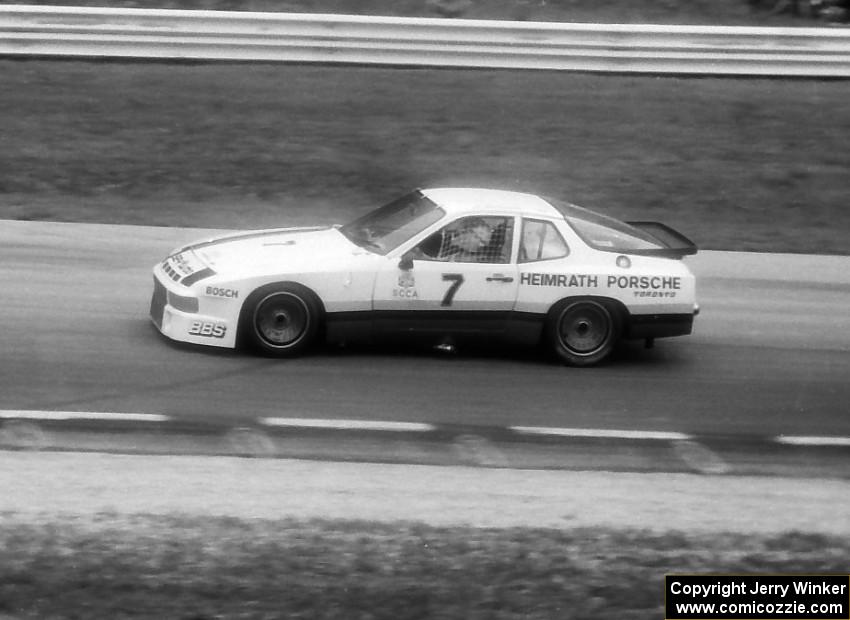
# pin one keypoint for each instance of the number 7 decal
(456, 279)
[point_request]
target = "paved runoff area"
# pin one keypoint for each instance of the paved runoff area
(48, 484)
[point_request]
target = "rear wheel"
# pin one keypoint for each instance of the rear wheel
(582, 332)
(281, 321)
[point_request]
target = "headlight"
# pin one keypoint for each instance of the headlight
(184, 304)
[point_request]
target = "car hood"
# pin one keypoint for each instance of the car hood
(286, 249)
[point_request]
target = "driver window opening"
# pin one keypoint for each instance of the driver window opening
(470, 240)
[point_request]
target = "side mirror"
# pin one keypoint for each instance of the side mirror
(406, 262)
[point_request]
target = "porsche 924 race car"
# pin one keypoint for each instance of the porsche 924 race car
(440, 265)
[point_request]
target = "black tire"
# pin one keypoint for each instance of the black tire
(281, 320)
(582, 332)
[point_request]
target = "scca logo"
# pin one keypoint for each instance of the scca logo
(222, 292)
(210, 330)
(405, 292)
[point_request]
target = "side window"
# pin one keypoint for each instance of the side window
(541, 241)
(470, 240)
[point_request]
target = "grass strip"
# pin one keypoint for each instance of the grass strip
(751, 165)
(116, 567)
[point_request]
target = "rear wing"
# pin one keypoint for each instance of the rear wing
(676, 244)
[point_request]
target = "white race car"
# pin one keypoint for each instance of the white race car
(441, 265)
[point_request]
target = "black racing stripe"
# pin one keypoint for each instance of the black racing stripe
(650, 319)
(468, 315)
(350, 315)
(528, 317)
(507, 326)
(448, 315)
(659, 325)
(198, 275)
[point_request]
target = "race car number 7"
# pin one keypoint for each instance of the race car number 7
(456, 279)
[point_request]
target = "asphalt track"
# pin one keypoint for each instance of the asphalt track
(770, 353)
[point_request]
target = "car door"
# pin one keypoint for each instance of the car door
(445, 291)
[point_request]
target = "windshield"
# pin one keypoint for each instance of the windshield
(606, 233)
(387, 227)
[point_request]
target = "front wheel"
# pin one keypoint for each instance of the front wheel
(582, 332)
(281, 321)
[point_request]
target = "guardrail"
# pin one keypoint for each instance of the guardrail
(303, 38)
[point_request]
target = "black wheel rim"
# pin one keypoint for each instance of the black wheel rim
(585, 328)
(281, 320)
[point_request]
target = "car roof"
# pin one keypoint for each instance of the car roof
(474, 200)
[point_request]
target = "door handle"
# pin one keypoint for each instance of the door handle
(498, 277)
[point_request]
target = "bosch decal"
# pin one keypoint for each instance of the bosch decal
(215, 291)
(210, 330)
(559, 279)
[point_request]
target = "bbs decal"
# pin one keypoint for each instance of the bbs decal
(210, 330)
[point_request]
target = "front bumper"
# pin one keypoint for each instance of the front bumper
(177, 318)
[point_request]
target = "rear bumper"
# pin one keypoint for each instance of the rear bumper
(659, 325)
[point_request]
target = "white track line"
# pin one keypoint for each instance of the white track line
(600, 433)
(813, 441)
(348, 424)
(13, 414)
(371, 425)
